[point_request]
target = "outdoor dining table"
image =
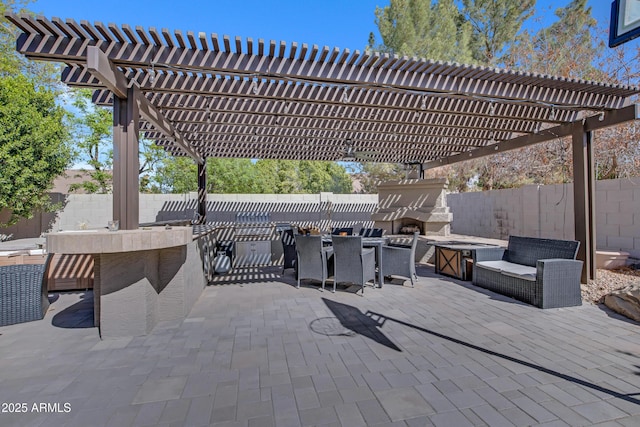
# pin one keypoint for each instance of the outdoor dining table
(370, 242)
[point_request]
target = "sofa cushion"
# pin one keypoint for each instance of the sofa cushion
(521, 272)
(510, 269)
(492, 265)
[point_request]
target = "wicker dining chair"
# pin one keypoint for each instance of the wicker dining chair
(313, 258)
(351, 262)
(288, 249)
(400, 261)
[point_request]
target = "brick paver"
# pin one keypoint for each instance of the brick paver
(264, 353)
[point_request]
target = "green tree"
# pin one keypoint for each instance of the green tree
(278, 176)
(93, 128)
(231, 176)
(423, 28)
(316, 177)
(93, 135)
(33, 137)
(372, 174)
(151, 157)
(495, 24)
(175, 175)
(569, 47)
(33, 148)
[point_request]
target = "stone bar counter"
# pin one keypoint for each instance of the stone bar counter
(141, 277)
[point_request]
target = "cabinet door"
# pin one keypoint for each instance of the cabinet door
(449, 262)
(253, 253)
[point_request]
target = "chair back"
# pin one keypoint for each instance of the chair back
(289, 249)
(528, 250)
(347, 259)
(338, 231)
(376, 232)
(312, 261)
(308, 249)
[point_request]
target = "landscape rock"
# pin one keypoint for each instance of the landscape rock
(625, 301)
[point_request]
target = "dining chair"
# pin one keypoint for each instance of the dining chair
(338, 231)
(365, 232)
(312, 258)
(400, 261)
(376, 232)
(351, 262)
(288, 249)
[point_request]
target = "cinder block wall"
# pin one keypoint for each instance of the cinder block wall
(547, 211)
(95, 210)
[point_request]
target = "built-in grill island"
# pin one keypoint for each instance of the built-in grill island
(413, 205)
(252, 235)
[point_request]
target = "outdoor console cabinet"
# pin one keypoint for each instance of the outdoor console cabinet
(141, 277)
(455, 259)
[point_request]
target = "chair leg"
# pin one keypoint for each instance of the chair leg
(334, 286)
(298, 283)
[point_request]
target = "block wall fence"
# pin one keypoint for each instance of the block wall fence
(547, 212)
(95, 210)
(537, 211)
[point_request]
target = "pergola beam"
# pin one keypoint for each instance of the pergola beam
(600, 121)
(98, 63)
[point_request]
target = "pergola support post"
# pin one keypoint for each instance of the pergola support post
(126, 198)
(202, 192)
(584, 180)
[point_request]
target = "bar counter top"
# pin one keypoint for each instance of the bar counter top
(97, 241)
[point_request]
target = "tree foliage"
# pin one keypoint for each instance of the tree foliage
(33, 138)
(179, 175)
(372, 174)
(93, 136)
(175, 175)
(423, 28)
(569, 47)
(33, 149)
(494, 23)
(93, 127)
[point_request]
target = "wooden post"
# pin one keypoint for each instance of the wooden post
(584, 199)
(126, 198)
(202, 192)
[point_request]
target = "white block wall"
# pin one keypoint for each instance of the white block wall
(547, 211)
(95, 210)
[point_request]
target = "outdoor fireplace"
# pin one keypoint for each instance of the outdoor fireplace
(413, 205)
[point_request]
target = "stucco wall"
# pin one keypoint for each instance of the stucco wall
(547, 211)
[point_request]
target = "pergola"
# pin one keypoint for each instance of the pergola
(202, 96)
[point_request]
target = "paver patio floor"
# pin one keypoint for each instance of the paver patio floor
(259, 352)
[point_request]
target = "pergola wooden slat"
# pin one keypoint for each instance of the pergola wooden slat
(210, 96)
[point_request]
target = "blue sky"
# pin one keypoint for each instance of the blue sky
(334, 23)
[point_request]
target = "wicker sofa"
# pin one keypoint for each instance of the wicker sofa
(541, 272)
(23, 293)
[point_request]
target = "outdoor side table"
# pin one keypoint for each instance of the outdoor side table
(455, 260)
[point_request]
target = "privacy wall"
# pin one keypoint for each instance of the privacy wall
(95, 210)
(547, 211)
